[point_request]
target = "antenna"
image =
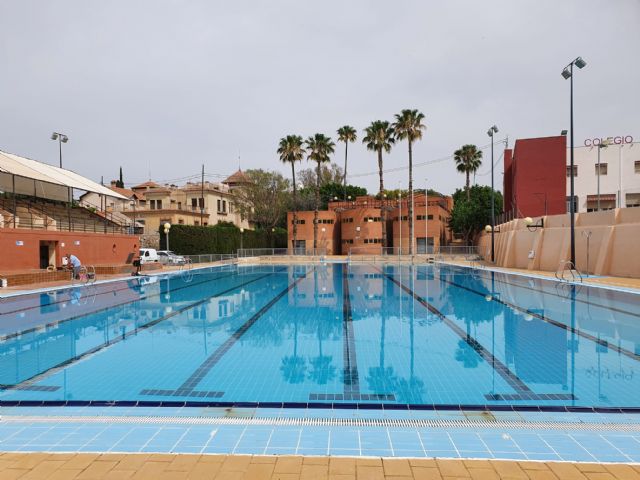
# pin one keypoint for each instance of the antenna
(239, 168)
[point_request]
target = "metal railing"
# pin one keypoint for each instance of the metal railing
(437, 250)
(267, 252)
(209, 258)
(568, 266)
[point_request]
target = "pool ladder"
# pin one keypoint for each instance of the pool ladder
(574, 274)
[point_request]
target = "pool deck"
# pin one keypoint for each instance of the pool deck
(159, 467)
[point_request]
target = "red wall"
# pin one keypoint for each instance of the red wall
(507, 180)
(94, 248)
(538, 172)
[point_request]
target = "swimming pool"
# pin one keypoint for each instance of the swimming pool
(324, 335)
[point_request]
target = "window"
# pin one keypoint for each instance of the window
(219, 204)
(603, 168)
(575, 204)
(299, 222)
(348, 241)
(180, 221)
(421, 217)
(633, 200)
(372, 219)
(224, 205)
(194, 203)
(636, 166)
(196, 223)
(327, 221)
(372, 240)
(179, 205)
(347, 220)
(575, 170)
(158, 204)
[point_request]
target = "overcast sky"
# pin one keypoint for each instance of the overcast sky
(164, 86)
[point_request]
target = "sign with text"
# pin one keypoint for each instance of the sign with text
(619, 140)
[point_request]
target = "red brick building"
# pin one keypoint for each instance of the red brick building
(535, 177)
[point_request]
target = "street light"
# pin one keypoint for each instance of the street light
(603, 144)
(567, 73)
(426, 217)
(62, 138)
(491, 132)
(167, 227)
(241, 232)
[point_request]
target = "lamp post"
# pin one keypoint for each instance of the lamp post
(62, 138)
(400, 219)
(491, 132)
(426, 218)
(133, 204)
(167, 227)
(241, 235)
(603, 144)
(567, 73)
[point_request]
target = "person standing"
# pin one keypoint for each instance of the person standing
(76, 264)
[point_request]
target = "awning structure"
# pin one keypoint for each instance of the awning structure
(24, 176)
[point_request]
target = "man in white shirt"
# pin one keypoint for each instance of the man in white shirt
(76, 264)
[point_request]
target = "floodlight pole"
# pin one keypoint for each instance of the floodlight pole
(62, 138)
(572, 201)
(493, 210)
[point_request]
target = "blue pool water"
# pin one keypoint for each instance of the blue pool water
(324, 334)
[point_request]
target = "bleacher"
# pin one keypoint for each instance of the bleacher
(38, 213)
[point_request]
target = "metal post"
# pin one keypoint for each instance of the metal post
(493, 212)
(572, 213)
(69, 207)
(599, 148)
(15, 202)
(400, 218)
(60, 148)
(426, 219)
(202, 198)
(166, 230)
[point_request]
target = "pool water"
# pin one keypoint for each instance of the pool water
(371, 336)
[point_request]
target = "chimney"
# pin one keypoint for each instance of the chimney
(114, 183)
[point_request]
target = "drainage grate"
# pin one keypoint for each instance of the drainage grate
(331, 422)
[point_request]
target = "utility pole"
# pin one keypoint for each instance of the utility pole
(202, 198)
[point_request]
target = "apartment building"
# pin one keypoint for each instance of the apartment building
(356, 226)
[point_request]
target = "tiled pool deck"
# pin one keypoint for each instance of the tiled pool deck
(565, 436)
(219, 467)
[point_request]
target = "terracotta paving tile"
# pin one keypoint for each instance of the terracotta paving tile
(212, 458)
(283, 476)
(81, 461)
(510, 470)
(132, 462)
(163, 457)
(314, 472)
(452, 468)
(235, 463)
(204, 471)
(623, 471)
(150, 471)
(566, 471)
(342, 477)
(369, 462)
(541, 475)
(288, 465)
(97, 470)
(315, 460)
(477, 463)
(396, 467)
(423, 462)
(173, 475)
(342, 466)
(426, 473)
(43, 469)
(184, 463)
(533, 465)
(365, 472)
(600, 476)
(228, 476)
(591, 467)
(65, 474)
(118, 475)
(264, 459)
(13, 473)
(29, 461)
(483, 474)
(259, 471)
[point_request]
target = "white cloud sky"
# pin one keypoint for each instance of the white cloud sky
(164, 86)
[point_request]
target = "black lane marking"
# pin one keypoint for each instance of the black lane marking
(32, 388)
(550, 321)
(196, 377)
(531, 396)
(175, 393)
(80, 315)
(544, 292)
(39, 376)
(352, 396)
(350, 371)
(511, 378)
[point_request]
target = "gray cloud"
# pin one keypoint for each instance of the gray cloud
(168, 85)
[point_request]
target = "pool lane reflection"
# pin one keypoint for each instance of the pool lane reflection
(329, 333)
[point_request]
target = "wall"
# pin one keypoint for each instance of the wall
(329, 239)
(537, 171)
(93, 248)
(613, 243)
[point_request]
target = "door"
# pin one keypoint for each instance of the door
(44, 255)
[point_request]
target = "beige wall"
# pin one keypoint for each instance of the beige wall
(614, 243)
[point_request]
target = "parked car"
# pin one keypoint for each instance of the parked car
(167, 257)
(148, 255)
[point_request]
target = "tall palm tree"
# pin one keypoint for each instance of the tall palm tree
(409, 126)
(468, 160)
(319, 149)
(379, 136)
(291, 151)
(346, 134)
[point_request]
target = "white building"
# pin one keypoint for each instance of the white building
(619, 174)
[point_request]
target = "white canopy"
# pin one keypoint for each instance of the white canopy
(45, 181)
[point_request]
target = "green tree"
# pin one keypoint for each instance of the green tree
(319, 148)
(120, 181)
(468, 159)
(291, 151)
(409, 126)
(379, 137)
(346, 134)
(264, 200)
(469, 216)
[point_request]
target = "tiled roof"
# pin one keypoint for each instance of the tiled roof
(237, 178)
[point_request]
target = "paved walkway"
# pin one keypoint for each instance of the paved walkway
(37, 466)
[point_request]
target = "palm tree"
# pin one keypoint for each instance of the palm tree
(292, 151)
(379, 136)
(346, 134)
(409, 126)
(319, 148)
(468, 160)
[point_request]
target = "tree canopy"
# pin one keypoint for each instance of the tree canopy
(469, 216)
(265, 199)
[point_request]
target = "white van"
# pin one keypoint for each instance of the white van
(148, 255)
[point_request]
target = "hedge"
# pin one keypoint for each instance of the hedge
(195, 240)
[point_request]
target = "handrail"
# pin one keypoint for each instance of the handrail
(562, 269)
